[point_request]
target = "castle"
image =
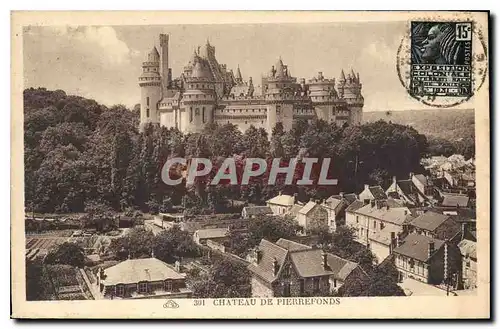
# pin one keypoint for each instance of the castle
(207, 92)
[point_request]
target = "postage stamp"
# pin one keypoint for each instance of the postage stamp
(441, 58)
(167, 167)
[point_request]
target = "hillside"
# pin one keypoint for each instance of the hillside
(449, 124)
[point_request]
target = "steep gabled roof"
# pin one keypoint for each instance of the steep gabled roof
(292, 245)
(429, 220)
(416, 246)
(308, 263)
(355, 206)
(308, 207)
(265, 267)
(377, 192)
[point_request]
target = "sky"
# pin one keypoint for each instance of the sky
(104, 62)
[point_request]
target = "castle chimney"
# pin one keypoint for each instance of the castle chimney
(276, 267)
(324, 261)
(431, 248)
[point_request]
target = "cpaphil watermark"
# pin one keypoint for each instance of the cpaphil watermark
(231, 171)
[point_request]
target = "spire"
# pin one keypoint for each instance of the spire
(353, 74)
(238, 75)
(357, 78)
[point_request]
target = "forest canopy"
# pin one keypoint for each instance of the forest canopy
(79, 152)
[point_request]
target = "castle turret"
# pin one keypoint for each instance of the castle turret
(349, 89)
(279, 95)
(199, 98)
(324, 97)
(151, 88)
(166, 73)
(238, 79)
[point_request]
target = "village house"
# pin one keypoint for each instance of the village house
(436, 225)
(454, 200)
(377, 223)
(218, 235)
(312, 215)
(372, 193)
(281, 204)
(142, 278)
(291, 269)
(336, 205)
(251, 212)
(426, 259)
(415, 191)
(469, 263)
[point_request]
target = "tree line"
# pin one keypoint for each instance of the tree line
(80, 154)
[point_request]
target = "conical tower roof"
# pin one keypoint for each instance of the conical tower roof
(154, 55)
(238, 77)
(280, 69)
(342, 76)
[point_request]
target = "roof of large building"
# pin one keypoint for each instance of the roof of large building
(210, 233)
(468, 248)
(429, 220)
(377, 192)
(138, 270)
(308, 262)
(454, 200)
(417, 246)
(396, 215)
(308, 207)
(355, 206)
(282, 200)
(292, 245)
(258, 210)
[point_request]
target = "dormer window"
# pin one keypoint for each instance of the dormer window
(168, 285)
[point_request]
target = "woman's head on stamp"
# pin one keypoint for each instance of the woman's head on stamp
(431, 46)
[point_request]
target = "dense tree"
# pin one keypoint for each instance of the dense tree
(38, 285)
(67, 253)
(78, 152)
(136, 243)
(225, 279)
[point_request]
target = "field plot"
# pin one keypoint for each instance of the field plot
(38, 246)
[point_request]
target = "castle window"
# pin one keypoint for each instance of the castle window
(147, 101)
(262, 122)
(190, 114)
(147, 113)
(203, 114)
(246, 122)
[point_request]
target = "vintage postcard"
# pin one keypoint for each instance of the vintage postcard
(319, 165)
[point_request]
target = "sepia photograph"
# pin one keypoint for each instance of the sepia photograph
(285, 165)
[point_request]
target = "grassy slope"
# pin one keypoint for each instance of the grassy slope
(445, 123)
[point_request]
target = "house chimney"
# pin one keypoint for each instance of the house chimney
(393, 241)
(324, 261)
(387, 207)
(431, 249)
(366, 186)
(177, 266)
(411, 175)
(258, 256)
(372, 203)
(341, 195)
(279, 193)
(399, 242)
(276, 267)
(394, 180)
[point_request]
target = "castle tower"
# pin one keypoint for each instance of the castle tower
(166, 73)
(349, 90)
(279, 97)
(199, 98)
(150, 83)
(324, 97)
